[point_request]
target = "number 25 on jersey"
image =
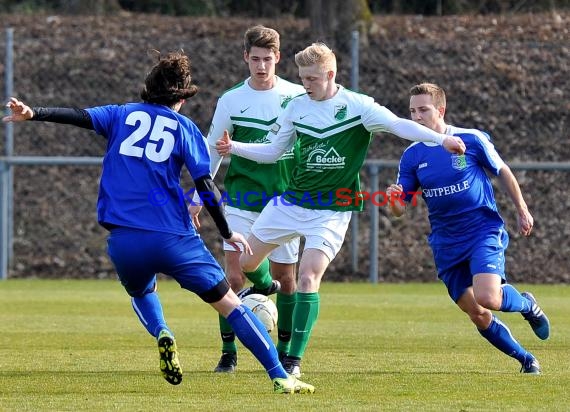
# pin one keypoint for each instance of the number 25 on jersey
(160, 131)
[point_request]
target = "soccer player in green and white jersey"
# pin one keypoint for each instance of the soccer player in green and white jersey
(332, 127)
(248, 111)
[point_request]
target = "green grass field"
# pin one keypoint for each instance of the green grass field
(77, 345)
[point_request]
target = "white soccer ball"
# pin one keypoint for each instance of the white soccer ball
(264, 308)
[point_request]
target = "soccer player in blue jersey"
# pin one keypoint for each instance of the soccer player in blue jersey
(141, 203)
(247, 111)
(468, 236)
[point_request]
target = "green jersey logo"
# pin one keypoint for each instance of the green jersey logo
(458, 162)
(320, 158)
(340, 112)
(285, 101)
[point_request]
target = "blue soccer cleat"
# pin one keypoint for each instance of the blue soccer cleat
(536, 318)
(530, 366)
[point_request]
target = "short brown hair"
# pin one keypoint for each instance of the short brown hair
(437, 94)
(169, 81)
(261, 36)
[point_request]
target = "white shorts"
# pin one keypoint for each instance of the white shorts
(280, 221)
(242, 220)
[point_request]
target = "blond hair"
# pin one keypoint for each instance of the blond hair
(316, 53)
(437, 94)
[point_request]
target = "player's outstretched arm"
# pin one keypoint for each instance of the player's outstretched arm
(20, 111)
(63, 115)
(510, 184)
(259, 152)
(380, 119)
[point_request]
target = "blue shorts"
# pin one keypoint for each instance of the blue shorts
(457, 265)
(138, 255)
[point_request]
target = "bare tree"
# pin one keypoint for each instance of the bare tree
(332, 21)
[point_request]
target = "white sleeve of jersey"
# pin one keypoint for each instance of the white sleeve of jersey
(215, 163)
(495, 161)
(380, 119)
(220, 122)
(281, 136)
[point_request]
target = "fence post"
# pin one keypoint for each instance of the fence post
(354, 229)
(374, 181)
(6, 171)
(3, 221)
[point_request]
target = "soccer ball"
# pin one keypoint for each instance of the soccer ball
(264, 308)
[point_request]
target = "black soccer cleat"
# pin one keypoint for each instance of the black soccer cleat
(227, 363)
(282, 356)
(274, 288)
(292, 366)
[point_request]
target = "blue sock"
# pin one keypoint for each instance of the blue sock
(513, 301)
(251, 332)
(149, 311)
(499, 335)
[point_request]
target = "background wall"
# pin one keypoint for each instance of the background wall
(504, 74)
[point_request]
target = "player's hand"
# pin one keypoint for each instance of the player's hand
(394, 190)
(236, 240)
(224, 144)
(20, 111)
(395, 194)
(525, 222)
(454, 144)
(194, 211)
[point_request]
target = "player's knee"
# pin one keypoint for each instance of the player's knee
(139, 291)
(286, 275)
(308, 283)
(247, 265)
(288, 284)
(490, 301)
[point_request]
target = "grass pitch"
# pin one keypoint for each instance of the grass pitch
(77, 345)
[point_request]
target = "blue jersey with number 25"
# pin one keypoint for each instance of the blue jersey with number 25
(140, 184)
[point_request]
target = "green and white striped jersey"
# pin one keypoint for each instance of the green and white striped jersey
(332, 137)
(248, 115)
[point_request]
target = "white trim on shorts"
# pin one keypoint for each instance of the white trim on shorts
(242, 220)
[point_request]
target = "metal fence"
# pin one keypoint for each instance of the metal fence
(48, 193)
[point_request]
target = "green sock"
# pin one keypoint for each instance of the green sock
(285, 306)
(305, 316)
(228, 336)
(260, 277)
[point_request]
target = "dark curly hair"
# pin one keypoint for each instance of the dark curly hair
(169, 80)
